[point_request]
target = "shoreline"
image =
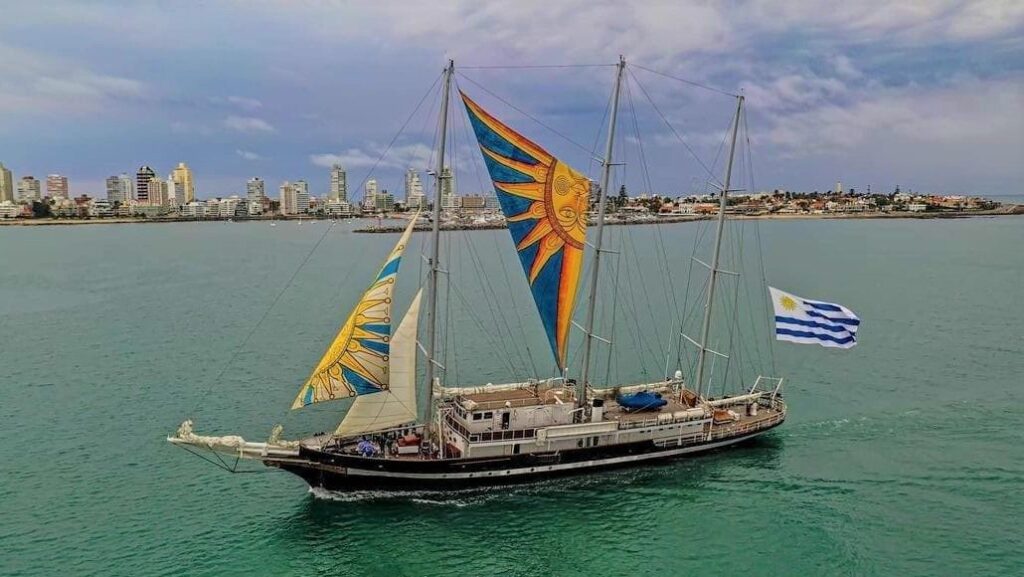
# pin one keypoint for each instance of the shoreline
(1008, 210)
(1005, 210)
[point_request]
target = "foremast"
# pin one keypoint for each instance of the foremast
(435, 248)
(715, 257)
(606, 169)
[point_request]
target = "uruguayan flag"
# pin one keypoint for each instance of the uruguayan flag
(799, 320)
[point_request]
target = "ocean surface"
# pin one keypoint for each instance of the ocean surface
(903, 456)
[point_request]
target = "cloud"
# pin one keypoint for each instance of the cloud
(248, 154)
(241, 102)
(968, 135)
(35, 82)
(249, 124)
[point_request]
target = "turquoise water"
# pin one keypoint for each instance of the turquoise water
(903, 456)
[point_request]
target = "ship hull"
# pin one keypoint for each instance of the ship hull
(346, 473)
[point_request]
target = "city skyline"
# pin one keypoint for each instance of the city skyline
(871, 93)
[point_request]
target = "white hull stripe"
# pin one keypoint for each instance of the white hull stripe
(551, 468)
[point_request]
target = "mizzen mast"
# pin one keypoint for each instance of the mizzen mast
(706, 327)
(581, 387)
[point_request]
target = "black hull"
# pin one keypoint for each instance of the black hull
(347, 473)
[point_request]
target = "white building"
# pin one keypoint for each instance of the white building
(9, 210)
(120, 189)
(339, 209)
(254, 188)
(339, 184)
(370, 194)
(294, 197)
(449, 200)
(254, 206)
(29, 189)
(194, 209)
(414, 197)
(917, 207)
(301, 196)
(101, 207)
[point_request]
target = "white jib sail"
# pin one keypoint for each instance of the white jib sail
(396, 405)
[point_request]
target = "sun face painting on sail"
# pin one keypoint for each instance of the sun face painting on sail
(546, 203)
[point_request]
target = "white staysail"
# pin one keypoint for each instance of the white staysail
(396, 405)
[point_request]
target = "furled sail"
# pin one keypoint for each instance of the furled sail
(397, 405)
(545, 202)
(356, 363)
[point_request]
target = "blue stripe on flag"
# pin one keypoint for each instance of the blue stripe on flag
(824, 306)
(812, 324)
(842, 321)
(817, 336)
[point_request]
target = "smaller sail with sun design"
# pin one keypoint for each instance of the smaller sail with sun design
(545, 202)
(357, 362)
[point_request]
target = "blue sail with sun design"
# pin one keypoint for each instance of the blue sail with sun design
(356, 363)
(545, 202)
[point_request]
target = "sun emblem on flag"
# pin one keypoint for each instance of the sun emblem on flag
(788, 303)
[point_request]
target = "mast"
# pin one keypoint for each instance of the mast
(706, 328)
(435, 247)
(581, 387)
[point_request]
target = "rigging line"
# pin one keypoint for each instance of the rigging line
(400, 131)
(741, 232)
(305, 260)
(495, 343)
(673, 129)
(685, 81)
(668, 287)
(615, 302)
(597, 135)
(633, 306)
(266, 313)
(536, 66)
(493, 303)
(528, 115)
(760, 250)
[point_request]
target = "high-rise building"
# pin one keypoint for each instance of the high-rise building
(159, 192)
(175, 191)
(29, 189)
(339, 186)
(370, 194)
(119, 188)
(56, 186)
(448, 198)
(301, 188)
(287, 198)
(414, 197)
(6, 184)
(142, 178)
(294, 197)
(385, 201)
(184, 187)
(254, 189)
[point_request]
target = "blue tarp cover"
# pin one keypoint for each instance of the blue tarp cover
(642, 401)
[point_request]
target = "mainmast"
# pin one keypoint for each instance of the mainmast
(706, 328)
(435, 246)
(581, 387)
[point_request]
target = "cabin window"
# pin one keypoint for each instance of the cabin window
(477, 416)
(488, 415)
(593, 441)
(579, 443)
(515, 449)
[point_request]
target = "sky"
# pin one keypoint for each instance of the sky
(928, 95)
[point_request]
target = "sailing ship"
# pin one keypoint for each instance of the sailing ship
(500, 434)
